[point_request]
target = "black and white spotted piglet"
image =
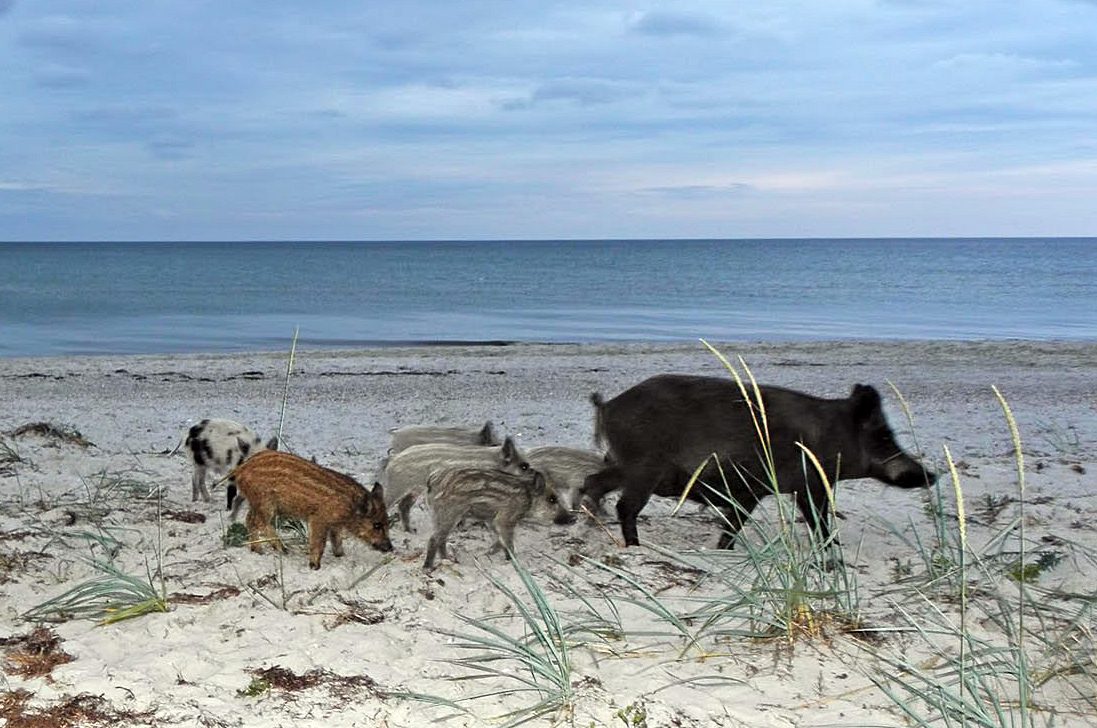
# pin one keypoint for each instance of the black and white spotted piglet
(218, 446)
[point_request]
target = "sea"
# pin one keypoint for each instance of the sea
(87, 298)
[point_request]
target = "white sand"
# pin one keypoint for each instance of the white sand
(188, 665)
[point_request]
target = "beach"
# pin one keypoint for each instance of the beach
(379, 616)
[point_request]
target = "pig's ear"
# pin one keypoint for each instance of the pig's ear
(487, 434)
(378, 491)
(865, 400)
(272, 443)
(510, 451)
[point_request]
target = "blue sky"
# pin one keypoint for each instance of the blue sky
(241, 119)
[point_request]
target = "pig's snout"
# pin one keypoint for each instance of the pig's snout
(384, 546)
(564, 519)
(906, 472)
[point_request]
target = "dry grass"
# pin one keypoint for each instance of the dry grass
(57, 433)
(18, 562)
(226, 591)
(288, 683)
(34, 654)
(72, 711)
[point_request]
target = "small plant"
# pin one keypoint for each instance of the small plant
(633, 715)
(236, 535)
(901, 568)
(1030, 572)
(9, 453)
(1063, 440)
(293, 530)
(258, 686)
(131, 484)
(993, 505)
(111, 597)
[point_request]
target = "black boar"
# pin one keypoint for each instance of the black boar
(659, 431)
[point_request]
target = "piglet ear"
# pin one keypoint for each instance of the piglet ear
(865, 400)
(510, 450)
(378, 491)
(272, 443)
(487, 434)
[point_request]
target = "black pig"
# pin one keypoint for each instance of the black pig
(659, 431)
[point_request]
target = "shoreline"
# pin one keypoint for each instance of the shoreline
(192, 663)
(350, 347)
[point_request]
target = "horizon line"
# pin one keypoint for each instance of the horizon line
(821, 238)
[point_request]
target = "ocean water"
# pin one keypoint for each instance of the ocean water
(119, 298)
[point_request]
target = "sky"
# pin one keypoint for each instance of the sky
(520, 119)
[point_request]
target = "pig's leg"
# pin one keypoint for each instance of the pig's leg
(237, 503)
(336, 539)
(437, 545)
(318, 537)
(640, 484)
(261, 530)
(504, 529)
(405, 511)
(198, 484)
(597, 485)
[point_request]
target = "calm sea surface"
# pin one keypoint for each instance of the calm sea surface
(97, 298)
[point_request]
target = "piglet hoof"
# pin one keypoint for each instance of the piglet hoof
(314, 565)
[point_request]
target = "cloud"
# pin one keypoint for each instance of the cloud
(582, 92)
(170, 148)
(458, 114)
(699, 192)
(55, 32)
(998, 63)
(125, 118)
(17, 186)
(59, 76)
(665, 24)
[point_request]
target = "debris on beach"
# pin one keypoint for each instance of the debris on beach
(34, 654)
(58, 433)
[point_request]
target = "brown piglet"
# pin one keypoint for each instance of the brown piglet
(278, 483)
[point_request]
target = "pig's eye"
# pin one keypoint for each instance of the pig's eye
(525, 467)
(378, 526)
(552, 499)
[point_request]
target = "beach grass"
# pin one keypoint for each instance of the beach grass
(535, 663)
